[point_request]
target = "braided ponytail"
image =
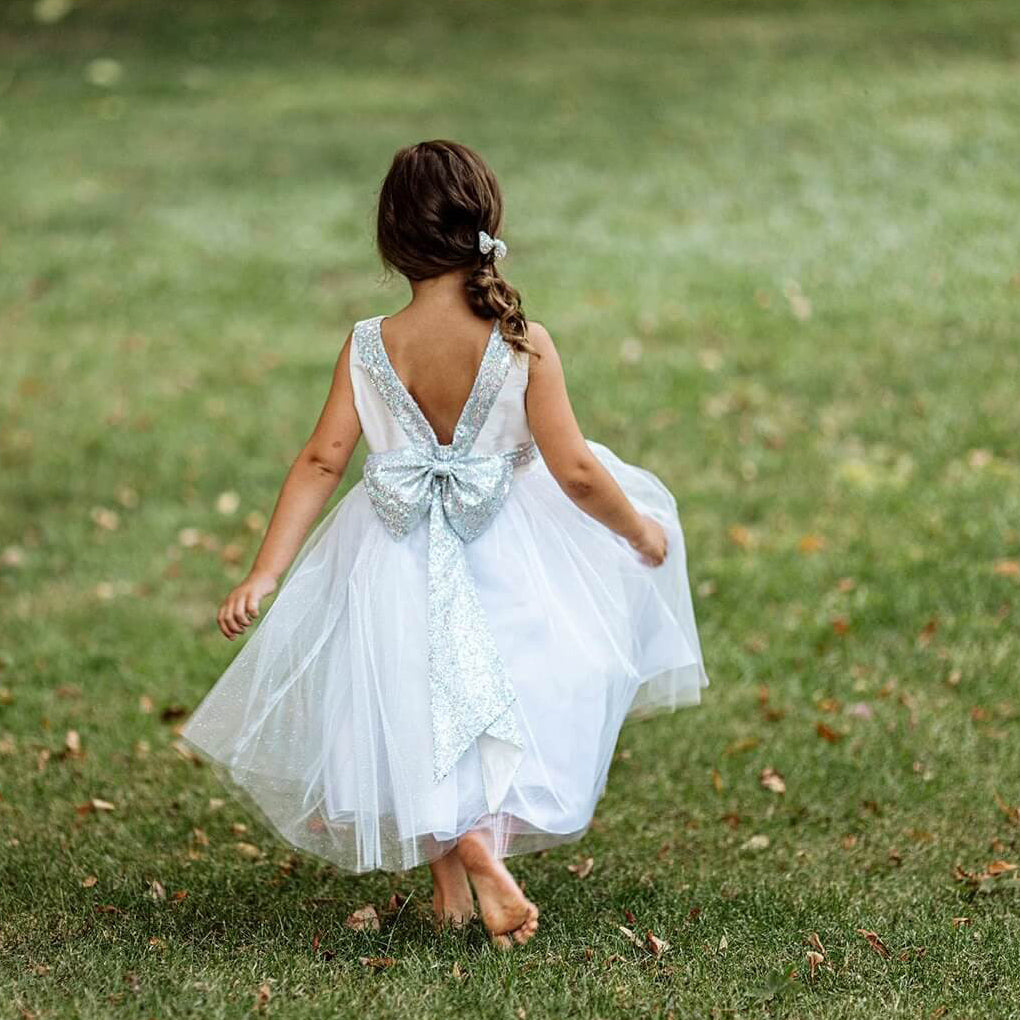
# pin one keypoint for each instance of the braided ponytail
(493, 297)
(435, 199)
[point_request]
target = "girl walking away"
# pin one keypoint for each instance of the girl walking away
(444, 671)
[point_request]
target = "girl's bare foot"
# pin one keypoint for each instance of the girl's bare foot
(452, 900)
(505, 910)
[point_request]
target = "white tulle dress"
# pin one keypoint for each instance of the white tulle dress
(455, 646)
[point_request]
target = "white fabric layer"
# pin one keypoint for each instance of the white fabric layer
(321, 721)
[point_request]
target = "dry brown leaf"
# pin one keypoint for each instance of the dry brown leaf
(89, 881)
(366, 918)
(1012, 813)
(875, 942)
(156, 890)
(102, 805)
(185, 752)
(584, 869)
(840, 625)
(630, 936)
(740, 746)
(717, 781)
(960, 922)
(263, 995)
(249, 850)
(772, 780)
(377, 962)
(927, 632)
(1000, 868)
(740, 536)
(1006, 568)
(145, 704)
(654, 944)
(814, 959)
(828, 733)
(72, 743)
(759, 842)
(811, 544)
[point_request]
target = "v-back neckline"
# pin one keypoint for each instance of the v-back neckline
(494, 334)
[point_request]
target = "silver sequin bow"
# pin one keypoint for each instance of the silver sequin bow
(460, 493)
(487, 244)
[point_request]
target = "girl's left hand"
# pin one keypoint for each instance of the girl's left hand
(241, 606)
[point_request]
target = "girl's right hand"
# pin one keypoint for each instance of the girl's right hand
(241, 606)
(650, 542)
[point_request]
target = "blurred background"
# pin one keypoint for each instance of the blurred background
(776, 244)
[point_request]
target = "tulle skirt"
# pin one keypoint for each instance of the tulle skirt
(321, 723)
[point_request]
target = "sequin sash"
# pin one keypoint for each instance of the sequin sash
(460, 493)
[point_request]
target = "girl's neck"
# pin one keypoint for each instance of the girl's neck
(441, 295)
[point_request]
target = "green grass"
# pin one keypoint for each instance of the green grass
(804, 214)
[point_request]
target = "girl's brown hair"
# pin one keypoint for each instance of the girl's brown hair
(435, 199)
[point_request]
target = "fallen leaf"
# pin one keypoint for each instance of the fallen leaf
(377, 962)
(584, 869)
(759, 842)
(875, 942)
(814, 959)
(816, 943)
(263, 995)
(364, 919)
(655, 945)
(248, 850)
(89, 881)
(724, 944)
(960, 922)
(1012, 813)
(740, 536)
(740, 746)
(102, 805)
(156, 890)
(811, 544)
(828, 733)
(717, 781)
(72, 743)
(1000, 867)
(185, 752)
(770, 779)
(927, 633)
(1006, 568)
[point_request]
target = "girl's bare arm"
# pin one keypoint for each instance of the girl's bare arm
(311, 480)
(569, 458)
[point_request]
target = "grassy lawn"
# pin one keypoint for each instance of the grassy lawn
(777, 244)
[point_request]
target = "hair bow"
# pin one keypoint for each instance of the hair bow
(487, 244)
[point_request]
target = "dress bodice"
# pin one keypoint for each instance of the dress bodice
(505, 426)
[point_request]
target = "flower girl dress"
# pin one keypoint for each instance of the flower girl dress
(456, 644)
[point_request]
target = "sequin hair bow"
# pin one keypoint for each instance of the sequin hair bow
(493, 244)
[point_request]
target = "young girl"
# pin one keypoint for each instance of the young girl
(443, 674)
